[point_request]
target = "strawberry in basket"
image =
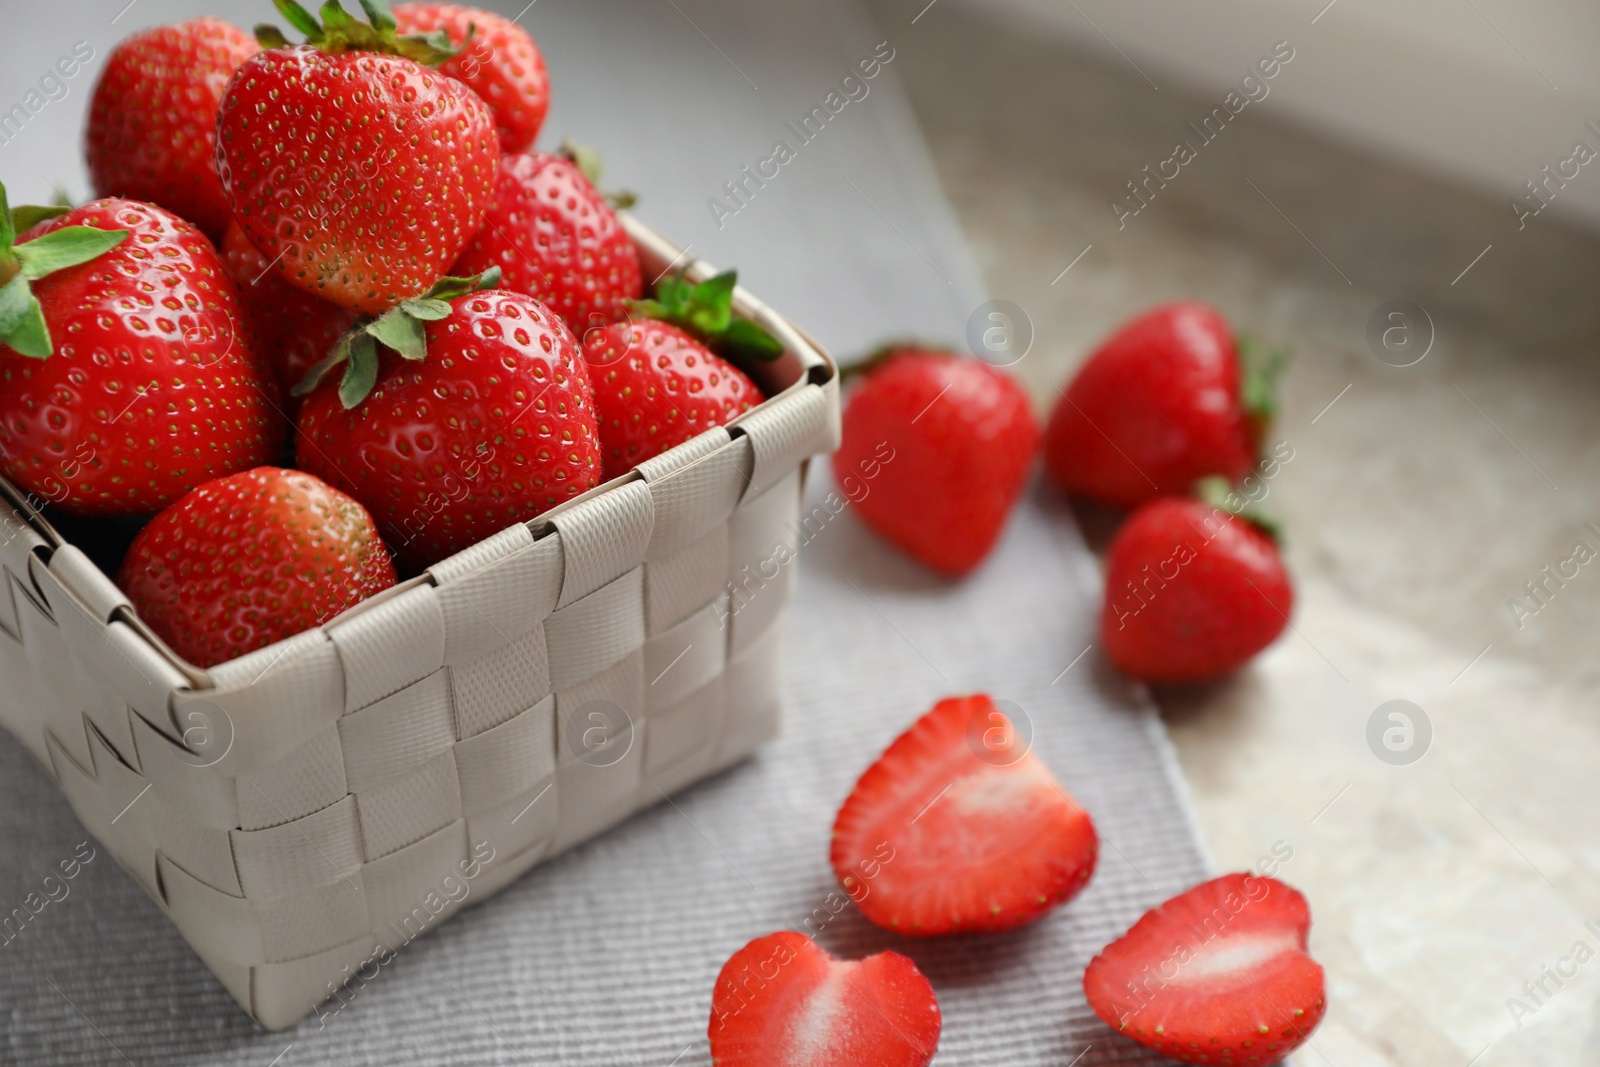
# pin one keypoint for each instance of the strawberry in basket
(250, 559)
(153, 117)
(355, 169)
(657, 379)
(498, 61)
(127, 375)
(554, 237)
(484, 420)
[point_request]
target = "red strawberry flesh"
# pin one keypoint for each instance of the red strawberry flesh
(958, 827)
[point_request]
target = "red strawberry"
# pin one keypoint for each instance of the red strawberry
(250, 559)
(1218, 974)
(1160, 405)
(957, 439)
(783, 1002)
(292, 328)
(554, 237)
(958, 827)
(150, 385)
(1192, 592)
(500, 63)
(153, 118)
(655, 387)
(360, 173)
(494, 427)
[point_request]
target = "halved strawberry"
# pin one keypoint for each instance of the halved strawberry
(1218, 974)
(958, 827)
(781, 1000)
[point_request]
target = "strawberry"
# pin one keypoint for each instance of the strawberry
(499, 62)
(153, 117)
(359, 172)
(958, 827)
(1192, 592)
(292, 328)
(1160, 405)
(554, 237)
(1218, 974)
(495, 426)
(127, 376)
(781, 1000)
(246, 560)
(962, 437)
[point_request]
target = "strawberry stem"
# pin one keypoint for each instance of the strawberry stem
(22, 325)
(400, 328)
(339, 32)
(706, 311)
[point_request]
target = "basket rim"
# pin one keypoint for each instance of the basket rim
(659, 255)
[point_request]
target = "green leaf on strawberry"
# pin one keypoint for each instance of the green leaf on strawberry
(22, 324)
(1260, 365)
(339, 32)
(1220, 493)
(399, 328)
(706, 311)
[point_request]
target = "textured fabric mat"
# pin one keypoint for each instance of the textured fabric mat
(608, 954)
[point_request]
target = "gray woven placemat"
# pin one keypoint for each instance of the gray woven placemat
(608, 954)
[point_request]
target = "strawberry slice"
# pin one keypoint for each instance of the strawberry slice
(1218, 974)
(783, 1002)
(958, 827)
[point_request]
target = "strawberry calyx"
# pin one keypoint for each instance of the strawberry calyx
(1261, 363)
(339, 32)
(590, 165)
(706, 312)
(1219, 493)
(861, 368)
(400, 328)
(22, 325)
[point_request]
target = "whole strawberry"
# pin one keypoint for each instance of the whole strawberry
(1192, 592)
(655, 387)
(960, 828)
(1218, 974)
(127, 375)
(359, 172)
(246, 560)
(1161, 404)
(783, 1001)
(153, 118)
(499, 62)
(495, 426)
(948, 442)
(554, 237)
(292, 328)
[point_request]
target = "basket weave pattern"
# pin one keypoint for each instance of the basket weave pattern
(421, 751)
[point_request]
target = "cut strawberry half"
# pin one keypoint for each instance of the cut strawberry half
(1218, 974)
(958, 827)
(783, 1002)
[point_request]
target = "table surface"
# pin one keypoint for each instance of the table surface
(1416, 506)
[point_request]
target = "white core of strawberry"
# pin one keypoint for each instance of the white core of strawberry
(999, 790)
(813, 1036)
(1240, 954)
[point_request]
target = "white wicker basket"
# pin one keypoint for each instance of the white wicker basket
(303, 810)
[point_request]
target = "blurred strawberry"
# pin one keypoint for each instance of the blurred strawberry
(358, 171)
(127, 375)
(781, 1000)
(500, 63)
(555, 238)
(292, 328)
(243, 561)
(153, 118)
(961, 437)
(1218, 974)
(1192, 592)
(1161, 404)
(959, 827)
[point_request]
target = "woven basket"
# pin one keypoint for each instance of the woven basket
(304, 811)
